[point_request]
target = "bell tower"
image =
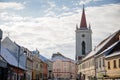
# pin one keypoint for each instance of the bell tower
(83, 38)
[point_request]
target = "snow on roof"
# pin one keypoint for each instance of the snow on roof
(100, 46)
(10, 58)
(113, 54)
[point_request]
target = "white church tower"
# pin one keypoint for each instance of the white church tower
(83, 38)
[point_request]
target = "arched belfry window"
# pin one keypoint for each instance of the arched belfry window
(83, 48)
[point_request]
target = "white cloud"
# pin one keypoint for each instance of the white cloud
(86, 1)
(51, 4)
(57, 34)
(65, 8)
(11, 5)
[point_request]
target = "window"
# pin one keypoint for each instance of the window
(83, 35)
(83, 48)
(97, 64)
(114, 64)
(36, 65)
(100, 62)
(103, 62)
(119, 63)
(108, 65)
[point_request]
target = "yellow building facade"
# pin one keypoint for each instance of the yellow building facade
(113, 65)
(36, 72)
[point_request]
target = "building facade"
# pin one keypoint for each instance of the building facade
(19, 63)
(14, 69)
(86, 67)
(50, 69)
(36, 71)
(3, 67)
(109, 42)
(94, 65)
(83, 38)
(45, 71)
(100, 65)
(112, 61)
(47, 67)
(29, 64)
(63, 67)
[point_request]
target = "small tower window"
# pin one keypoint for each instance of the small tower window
(83, 48)
(83, 35)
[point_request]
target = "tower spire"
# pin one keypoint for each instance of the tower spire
(83, 24)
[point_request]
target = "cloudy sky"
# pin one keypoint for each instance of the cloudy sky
(49, 25)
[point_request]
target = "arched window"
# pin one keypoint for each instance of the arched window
(83, 48)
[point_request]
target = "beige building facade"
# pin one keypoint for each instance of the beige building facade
(36, 71)
(86, 67)
(112, 61)
(63, 67)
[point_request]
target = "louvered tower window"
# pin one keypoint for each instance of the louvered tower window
(83, 48)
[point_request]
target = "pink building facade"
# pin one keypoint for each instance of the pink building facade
(63, 67)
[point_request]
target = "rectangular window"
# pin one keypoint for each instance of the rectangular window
(97, 64)
(103, 62)
(36, 65)
(119, 63)
(108, 65)
(100, 62)
(114, 64)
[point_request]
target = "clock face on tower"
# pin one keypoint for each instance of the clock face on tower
(83, 35)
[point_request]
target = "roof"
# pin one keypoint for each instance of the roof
(44, 59)
(8, 40)
(106, 51)
(113, 54)
(58, 55)
(89, 55)
(100, 46)
(10, 58)
(36, 52)
(112, 48)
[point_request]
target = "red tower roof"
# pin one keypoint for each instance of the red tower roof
(83, 24)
